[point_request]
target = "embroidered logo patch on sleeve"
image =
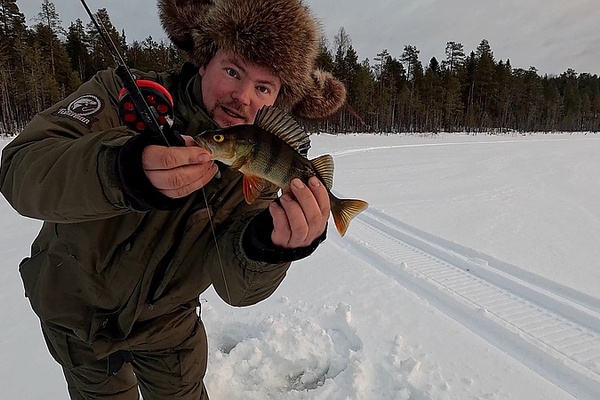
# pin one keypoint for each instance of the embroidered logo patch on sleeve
(82, 109)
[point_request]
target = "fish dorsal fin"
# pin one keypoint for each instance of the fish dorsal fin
(252, 187)
(324, 167)
(282, 125)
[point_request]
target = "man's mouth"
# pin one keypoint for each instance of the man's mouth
(233, 113)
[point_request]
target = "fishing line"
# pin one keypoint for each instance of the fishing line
(112, 48)
(131, 86)
(214, 233)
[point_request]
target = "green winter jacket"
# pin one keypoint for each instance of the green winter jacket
(99, 267)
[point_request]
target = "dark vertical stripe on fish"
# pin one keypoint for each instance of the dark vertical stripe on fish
(292, 172)
(256, 147)
(275, 152)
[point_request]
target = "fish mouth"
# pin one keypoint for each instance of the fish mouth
(200, 141)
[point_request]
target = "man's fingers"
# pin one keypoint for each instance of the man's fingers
(281, 227)
(164, 158)
(302, 215)
(299, 226)
(321, 195)
(182, 181)
(178, 177)
(178, 171)
(314, 202)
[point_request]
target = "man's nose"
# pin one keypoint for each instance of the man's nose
(243, 94)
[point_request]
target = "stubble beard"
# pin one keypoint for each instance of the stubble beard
(227, 108)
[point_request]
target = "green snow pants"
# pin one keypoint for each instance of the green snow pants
(171, 368)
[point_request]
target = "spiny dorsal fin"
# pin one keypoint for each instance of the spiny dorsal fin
(324, 167)
(282, 125)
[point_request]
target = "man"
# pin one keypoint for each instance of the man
(126, 246)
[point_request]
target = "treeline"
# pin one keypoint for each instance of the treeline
(473, 93)
(42, 63)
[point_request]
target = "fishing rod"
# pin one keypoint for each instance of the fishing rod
(146, 107)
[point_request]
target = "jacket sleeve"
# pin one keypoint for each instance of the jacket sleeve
(245, 266)
(62, 167)
(239, 280)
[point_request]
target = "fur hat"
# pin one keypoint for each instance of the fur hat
(282, 35)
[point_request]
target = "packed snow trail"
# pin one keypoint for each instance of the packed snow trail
(553, 330)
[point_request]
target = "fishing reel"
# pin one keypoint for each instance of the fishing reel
(159, 101)
(144, 106)
(147, 108)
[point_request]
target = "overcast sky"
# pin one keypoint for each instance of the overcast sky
(551, 35)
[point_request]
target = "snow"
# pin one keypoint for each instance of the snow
(472, 275)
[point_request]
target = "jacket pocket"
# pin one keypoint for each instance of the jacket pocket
(197, 224)
(57, 343)
(95, 244)
(30, 268)
(192, 355)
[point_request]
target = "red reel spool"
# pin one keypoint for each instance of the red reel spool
(158, 99)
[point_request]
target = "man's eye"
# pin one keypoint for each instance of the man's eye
(231, 72)
(264, 89)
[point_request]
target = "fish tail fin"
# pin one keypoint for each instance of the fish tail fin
(343, 210)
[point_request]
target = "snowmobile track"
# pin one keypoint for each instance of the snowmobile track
(552, 329)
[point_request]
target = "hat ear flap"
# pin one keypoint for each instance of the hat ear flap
(325, 95)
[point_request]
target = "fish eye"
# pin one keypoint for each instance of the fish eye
(218, 138)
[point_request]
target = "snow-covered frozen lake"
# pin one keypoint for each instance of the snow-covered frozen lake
(474, 274)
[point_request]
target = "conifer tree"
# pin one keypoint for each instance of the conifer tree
(455, 56)
(100, 53)
(49, 27)
(43, 63)
(77, 49)
(13, 35)
(324, 59)
(414, 73)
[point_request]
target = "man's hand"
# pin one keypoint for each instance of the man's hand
(302, 216)
(178, 171)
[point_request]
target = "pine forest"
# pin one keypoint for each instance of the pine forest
(465, 92)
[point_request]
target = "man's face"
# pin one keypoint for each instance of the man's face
(234, 89)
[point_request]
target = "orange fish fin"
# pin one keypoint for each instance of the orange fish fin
(324, 167)
(343, 210)
(252, 187)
